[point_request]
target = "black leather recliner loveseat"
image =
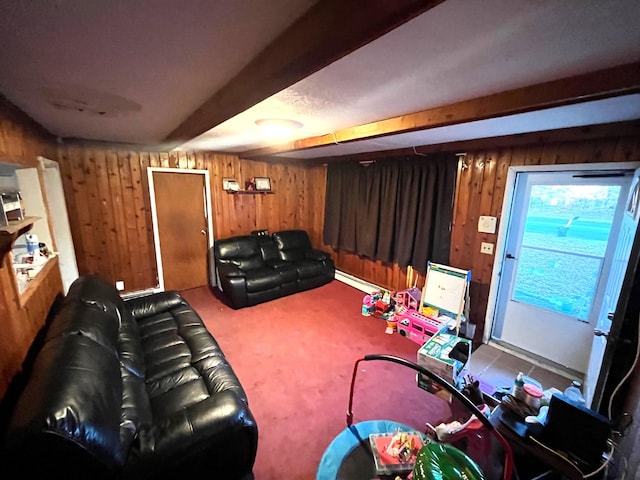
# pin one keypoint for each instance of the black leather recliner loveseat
(256, 268)
(134, 389)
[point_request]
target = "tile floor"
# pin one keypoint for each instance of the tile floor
(496, 368)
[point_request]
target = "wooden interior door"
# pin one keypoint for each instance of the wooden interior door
(182, 228)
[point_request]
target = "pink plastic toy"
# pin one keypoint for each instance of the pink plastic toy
(409, 298)
(418, 327)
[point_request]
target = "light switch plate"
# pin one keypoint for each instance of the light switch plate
(486, 248)
(487, 224)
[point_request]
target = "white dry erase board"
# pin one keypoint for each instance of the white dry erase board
(446, 288)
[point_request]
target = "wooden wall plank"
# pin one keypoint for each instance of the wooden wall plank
(461, 206)
(135, 246)
(102, 213)
(503, 160)
(82, 234)
(144, 276)
(484, 268)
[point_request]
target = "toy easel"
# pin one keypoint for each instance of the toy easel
(446, 289)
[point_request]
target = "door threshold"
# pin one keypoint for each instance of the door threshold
(536, 360)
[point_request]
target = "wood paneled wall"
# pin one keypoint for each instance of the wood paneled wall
(21, 142)
(107, 194)
(481, 188)
(480, 191)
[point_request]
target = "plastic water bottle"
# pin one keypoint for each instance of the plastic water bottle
(518, 386)
(574, 392)
(33, 247)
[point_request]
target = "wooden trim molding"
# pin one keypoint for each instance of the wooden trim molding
(607, 83)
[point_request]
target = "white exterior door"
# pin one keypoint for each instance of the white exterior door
(622, 251)
(556, 260)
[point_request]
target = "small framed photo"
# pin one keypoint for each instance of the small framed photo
(263, 184)
(230, 184)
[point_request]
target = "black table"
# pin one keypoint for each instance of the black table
(530, 454)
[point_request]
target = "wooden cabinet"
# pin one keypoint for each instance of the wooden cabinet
(26, 297)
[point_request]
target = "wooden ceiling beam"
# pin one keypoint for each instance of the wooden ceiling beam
(610, 82)
(630, 128)
(330, 30)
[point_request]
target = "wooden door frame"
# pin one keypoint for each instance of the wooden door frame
(154, 213)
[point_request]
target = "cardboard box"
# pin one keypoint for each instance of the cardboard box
(446, 355)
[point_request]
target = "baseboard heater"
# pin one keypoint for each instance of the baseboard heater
(356, 282)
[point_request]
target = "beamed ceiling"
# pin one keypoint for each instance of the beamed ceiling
(361, 76)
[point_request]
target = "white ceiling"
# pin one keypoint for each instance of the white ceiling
(132, 70)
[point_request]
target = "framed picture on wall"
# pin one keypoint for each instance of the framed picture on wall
(263, 184)
(230, 184)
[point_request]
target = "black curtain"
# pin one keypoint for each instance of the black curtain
(396, 210)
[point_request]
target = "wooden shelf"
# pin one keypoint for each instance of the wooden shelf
(250, 192)
(18, 226)
(9, 233)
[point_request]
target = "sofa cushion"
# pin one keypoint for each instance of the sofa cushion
(288, 272)
(309, 268)
(292, 244)
(71, 403)
(130, 350)
(92, 307)
(96, 290)
(135, 410)
(185, 365)
(243, 251)
(88, 319)
(262, 279)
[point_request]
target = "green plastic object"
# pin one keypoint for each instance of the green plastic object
(438, 461)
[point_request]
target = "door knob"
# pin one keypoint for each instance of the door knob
(510, 256)
(600, 333)
(203, 231)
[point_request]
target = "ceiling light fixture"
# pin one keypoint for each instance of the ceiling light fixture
(278, 127)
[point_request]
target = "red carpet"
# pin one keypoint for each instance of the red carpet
(294, 357)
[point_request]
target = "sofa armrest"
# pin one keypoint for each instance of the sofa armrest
(154, 303)
(230, 270)
(219, 432)
(318, 255)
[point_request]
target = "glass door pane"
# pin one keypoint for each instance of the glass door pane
(565, 237)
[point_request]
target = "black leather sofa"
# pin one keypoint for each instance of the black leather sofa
(252, 269)
(129, 389)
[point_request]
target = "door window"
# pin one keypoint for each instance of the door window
(566, 230)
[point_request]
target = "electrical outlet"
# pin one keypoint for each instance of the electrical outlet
(120, 285)
(486, 248)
